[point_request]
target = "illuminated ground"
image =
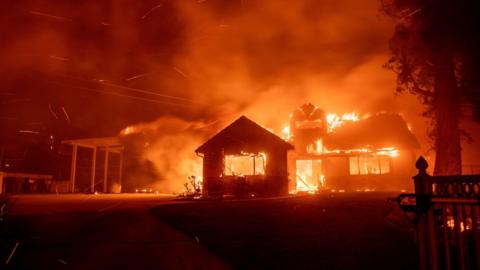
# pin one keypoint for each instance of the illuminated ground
(328, 231)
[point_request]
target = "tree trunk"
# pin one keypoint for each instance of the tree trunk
(447, 114)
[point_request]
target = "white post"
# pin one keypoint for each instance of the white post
(94, 163)
(105, 171)
(120, 172)
(73, 167)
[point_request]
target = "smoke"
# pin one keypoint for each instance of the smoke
(266, 58)
(221, 59)
(168, 143)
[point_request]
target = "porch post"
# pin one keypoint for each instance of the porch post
(120, 170)
(105, 171)
(94, 163)
(73, 167)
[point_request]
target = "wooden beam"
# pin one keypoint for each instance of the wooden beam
(26, 175)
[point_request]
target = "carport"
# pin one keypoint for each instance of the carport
(107, 146)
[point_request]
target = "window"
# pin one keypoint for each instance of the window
(244, 165)
(364, 165)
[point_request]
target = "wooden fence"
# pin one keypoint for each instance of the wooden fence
(447, 217)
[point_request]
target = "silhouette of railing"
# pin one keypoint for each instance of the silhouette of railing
(447, 219)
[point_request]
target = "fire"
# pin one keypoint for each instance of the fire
(286, 134)
(334, 121)
(389, 151)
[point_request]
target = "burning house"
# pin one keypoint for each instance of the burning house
(349, 153)
(245, 159)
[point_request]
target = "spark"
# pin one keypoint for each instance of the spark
(28, 131)
(151, 93)
(50, 16)
(414, 12)
(152, 10)
(66, 114)
(112, 206)
(139, 76)
(62, 261)
(122, 95)
(13, 252)
(59, 58)
(51, 111)
(180, 72)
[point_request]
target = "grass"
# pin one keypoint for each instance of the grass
(327, 231)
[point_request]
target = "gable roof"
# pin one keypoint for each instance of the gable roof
(378, 131)
(244, 135)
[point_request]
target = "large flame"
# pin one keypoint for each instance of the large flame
(334, 121)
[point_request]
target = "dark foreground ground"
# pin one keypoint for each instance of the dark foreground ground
(326, 231)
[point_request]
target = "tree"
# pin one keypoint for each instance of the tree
(435, 54)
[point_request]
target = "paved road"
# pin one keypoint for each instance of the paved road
(27, 204)
(78, 231)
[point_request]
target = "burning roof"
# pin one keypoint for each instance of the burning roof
(244, 135)
(378, 131)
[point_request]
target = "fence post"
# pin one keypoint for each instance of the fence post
(426, 231)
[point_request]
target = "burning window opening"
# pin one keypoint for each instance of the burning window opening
(245, 164)
(365, 165)
(309, 176)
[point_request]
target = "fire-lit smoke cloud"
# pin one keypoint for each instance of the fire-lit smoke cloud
(234, 57)
(209, 60)
(265, 58)
(168, 143)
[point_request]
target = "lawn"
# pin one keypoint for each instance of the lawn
(326, 231)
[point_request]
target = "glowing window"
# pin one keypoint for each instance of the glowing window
(244, 165)
(363, 165)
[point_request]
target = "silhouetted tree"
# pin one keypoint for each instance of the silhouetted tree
(435, 54)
